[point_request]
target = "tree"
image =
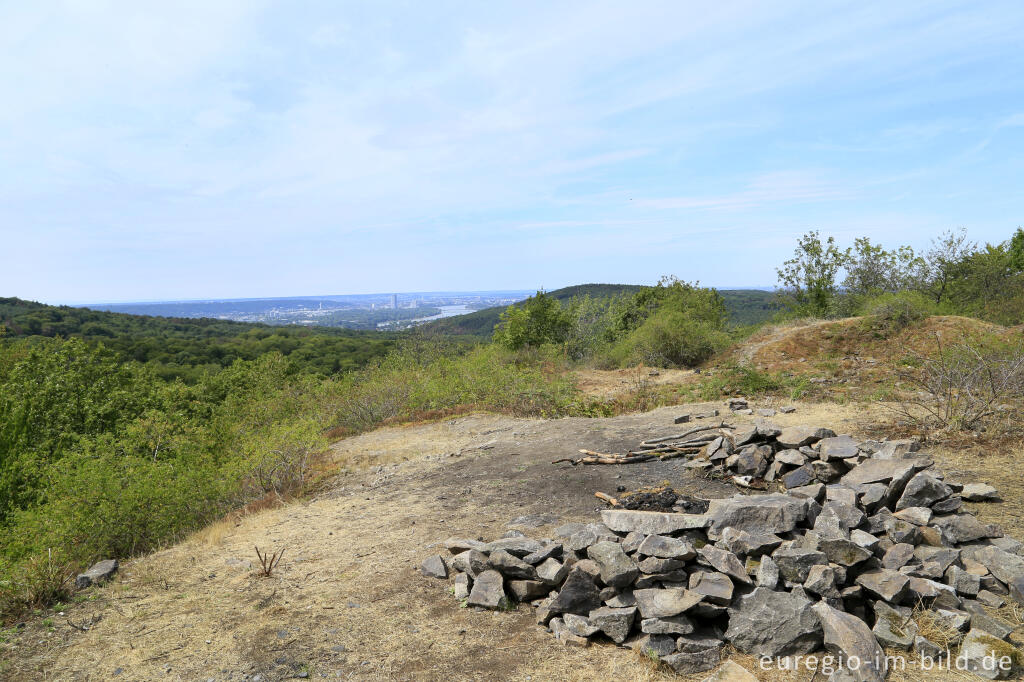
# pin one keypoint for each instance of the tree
(536, 321)
(809, 278)
(871, 270)
(945, 261)
(1016, 251)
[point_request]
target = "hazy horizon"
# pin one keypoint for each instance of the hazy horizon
(245, 149)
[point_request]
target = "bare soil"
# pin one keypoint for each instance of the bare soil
(347, 601)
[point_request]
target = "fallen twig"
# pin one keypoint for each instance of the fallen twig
(607, 498)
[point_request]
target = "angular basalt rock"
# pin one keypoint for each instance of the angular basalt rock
(652, 523)
(770, 623)
(488, 591)
(756, 513)
(798, 436)
(850, 637)
(578, 595)
(662, 603)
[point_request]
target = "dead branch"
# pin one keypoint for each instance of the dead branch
(607, 498)
(269, 562)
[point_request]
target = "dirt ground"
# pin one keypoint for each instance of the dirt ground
(347, 601)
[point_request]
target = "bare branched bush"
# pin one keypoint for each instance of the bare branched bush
(268, 561)
(961, 385)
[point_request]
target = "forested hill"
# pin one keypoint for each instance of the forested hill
(186, 347)
(745, 306)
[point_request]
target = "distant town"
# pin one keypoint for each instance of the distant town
(356, 311)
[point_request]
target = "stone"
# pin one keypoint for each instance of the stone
(97, 574)
(900, 531)
(674, 625)
(621, 600)
(699, 641)
(821, 580)
(553, 572)
(462, 585)
(791, 457)
(848, 636)
(765, 412)
(770, 623)
(990, 599)
(688, 663)
(512, 567)
(682, 419)
(750, 463)
(813, 491)
(884, 584)
(548, 551)
(460, 545)
(838, 518)
(666, 548)
(863, 539)
(655, 645)
(799, 478)
(878, 471)
(632, 542)
(652, 523)
(842, 494)
(838, 447)
(617, 569)
(987, 656)
(845, 552)
(528, 590)
(751, 544)
(662, 603)
(565, 636)
(714, 588)
(948, 506)
(569, 529)
(828, 472)
(434, 567)
(982, 620)
(655, 565)
(756, 513)
(979, 492)
(923, 490)
(795, 563)
(730, 671)
(919, 516)
(894, 627)
(472, 562)
(1007, 545)
(965, 584)
(517, 547)
(767, 573)
(897, 556)
(488, 591)
(959, 528)
(581, 626)
(798, 436)
(578, 595)
(896, 449)
(928, 650)
(871, 496)
(725, 562)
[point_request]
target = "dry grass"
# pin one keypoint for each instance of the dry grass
(349, 600)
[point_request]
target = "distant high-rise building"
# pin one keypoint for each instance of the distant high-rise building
(394, 301)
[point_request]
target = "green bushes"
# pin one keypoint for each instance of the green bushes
(891, 313)
(669, 339)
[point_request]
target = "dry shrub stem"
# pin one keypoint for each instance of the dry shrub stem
(268, 562)
(960, 385)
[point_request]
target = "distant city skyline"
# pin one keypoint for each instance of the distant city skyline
(197, 150)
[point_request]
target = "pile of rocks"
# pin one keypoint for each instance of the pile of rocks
(867, 541)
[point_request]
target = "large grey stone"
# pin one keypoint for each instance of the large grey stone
(578, 595)
(923, 490)
(98, 573)
(688, 663)
(666, 548)
(958, 528)
(979, 492)
(715, 588)
(885, 584)
(461, 586)
(651, 523)
(673, 625)
(894, 627)
(662, 603)
(488, 591)
(767, 573)
(750, 544)
(434, 567)
(770, 623)
(795, 562)
(518, 547)
(460, 545)
(1008, 568)
(987, 656)
(846, 635)
(845, 552)
(878, 471)
(982, 620)
(838, 447)
(797, 436)
(756, 513)
(553, 572)
(511, 567)
(472, 562)
(725, 562)
(528, 590)
(617, 569)
(614, 622)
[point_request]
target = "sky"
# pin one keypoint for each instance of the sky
(165, 151)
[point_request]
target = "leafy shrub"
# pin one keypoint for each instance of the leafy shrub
(891, 313)
(668, 339)
(747, 380)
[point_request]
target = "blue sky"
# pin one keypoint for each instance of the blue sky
(229, 149)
